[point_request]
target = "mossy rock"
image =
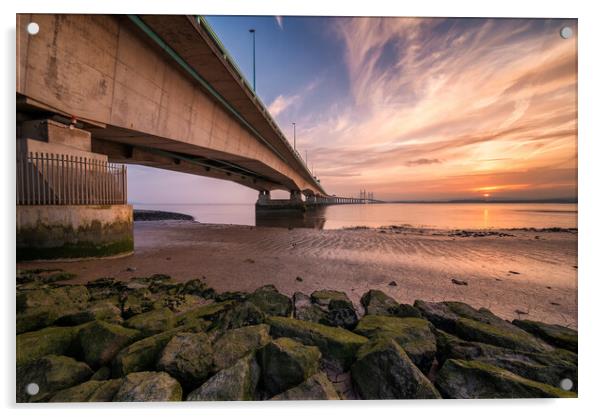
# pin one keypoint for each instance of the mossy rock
(236, 383)
(271, 302)
(337, 345)
(331, 299)
(414, 335)
(507, 336)
(136, 301)
(42, 307)
(152, 322)
(202, 313)
(548, 368)
(90, 391)
(99, 310)
(304, 309)
(32, 346)
(480, 325)
(554, 334)
(384, 371)
(286, 363)
(316, 387)
(188, 357)
(142, 355)
(445, 314)
(234, 344)
(101, 341)
(240, 315)
(147, 387)
(51, 373)
(475, 379)
(407, 310)
(376, 302)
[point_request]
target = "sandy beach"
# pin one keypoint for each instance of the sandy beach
(515, 273)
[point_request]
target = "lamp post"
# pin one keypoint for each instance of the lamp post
(252, 31)
(294, 136)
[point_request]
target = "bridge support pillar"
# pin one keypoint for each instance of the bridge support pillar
(71, 203)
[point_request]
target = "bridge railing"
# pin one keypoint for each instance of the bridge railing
(57, 179)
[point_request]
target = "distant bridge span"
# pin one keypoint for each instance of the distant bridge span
(158, 91)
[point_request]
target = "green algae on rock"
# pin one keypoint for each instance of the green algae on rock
(51, 373)
(188, 357)
(100, 341)
(152, 322)
(384, 371)
(285, 363)
(316, 387)
(336, 344)
(270, 301)
(474, 379)
(236, 343)
(236, 383)
(556, 335)
(414, 335)
(90, 391)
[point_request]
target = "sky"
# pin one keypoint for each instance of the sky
(407, 108)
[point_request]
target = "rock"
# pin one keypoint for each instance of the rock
(556, 335)
(152, 322)
(286, 363)
(478, 326)
(42, 307)
(136, 301)
(149, 386)
(100, 310)
(407, 310)
(337, 345)
(102, 374)
(458, 282)
(392, 284)
(499, 335)
(188, 357)
(316, 387)
(234, 344)
(549, 367)
(199, 314)
(91, 391)
(474, 379)
(304, 309)
(331, 299)
(414, 335)
(231, 296)
(299, 279)
(51, 373)
(242, 314)
(384, 371)
(339, 309)
(340, 317)
(236, 383)
(199, 288)
(376, 302)
(270, 301)
(143, 354)
(100, 341)
(32, 346)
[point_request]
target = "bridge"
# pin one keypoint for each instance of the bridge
(153, 90)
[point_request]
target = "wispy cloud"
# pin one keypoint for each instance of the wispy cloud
(495, 98)
(281, 103)
(280, 22)
(422, 161)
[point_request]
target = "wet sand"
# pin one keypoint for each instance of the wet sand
(422, 263)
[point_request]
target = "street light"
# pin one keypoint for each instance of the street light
(294, 136)
(252, 31)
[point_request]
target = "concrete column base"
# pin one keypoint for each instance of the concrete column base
(59, 232)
